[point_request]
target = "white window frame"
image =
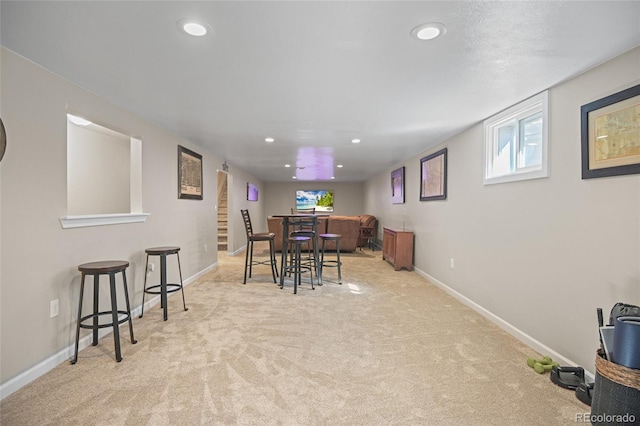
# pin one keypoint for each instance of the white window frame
(534, 105)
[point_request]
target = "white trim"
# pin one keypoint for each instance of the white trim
(237, 252)
(102, 219)
(64, 355)
(509, 328)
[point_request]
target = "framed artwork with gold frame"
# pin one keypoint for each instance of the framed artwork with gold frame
(610, 133)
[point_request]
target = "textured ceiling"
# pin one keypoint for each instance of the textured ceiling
(314, 75)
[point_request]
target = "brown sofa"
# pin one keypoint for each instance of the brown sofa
(347, 226)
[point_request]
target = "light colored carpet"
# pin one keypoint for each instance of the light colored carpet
(384, 348)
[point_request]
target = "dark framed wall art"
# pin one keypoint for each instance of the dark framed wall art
(610, 135)
(433, 176)
(189, 174)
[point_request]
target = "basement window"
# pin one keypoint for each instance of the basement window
(516, 142)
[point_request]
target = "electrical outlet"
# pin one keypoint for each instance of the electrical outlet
(205, 248)
(54, 308)
(451, 263)
(152, 267)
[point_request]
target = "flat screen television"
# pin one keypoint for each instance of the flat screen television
(252, 192)
(320, 199)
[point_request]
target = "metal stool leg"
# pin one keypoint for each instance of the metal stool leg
(251, 260)
(322, 257)
(114, 316)
(75, 355)
(274, 264)
(126, 299)
(246, 261)
(184, 303)
(96, 292)
(339, 263)
(296, 271)
(144, 287)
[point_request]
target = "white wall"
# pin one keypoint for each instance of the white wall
(39, 259)
(237, 181)
(98, 171)
(541, 255)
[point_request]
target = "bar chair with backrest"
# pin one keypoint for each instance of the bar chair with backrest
(307, 227)
(258, 236)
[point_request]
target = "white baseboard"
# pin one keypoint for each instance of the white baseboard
(509, 328)
(237, 252)
(65, 355)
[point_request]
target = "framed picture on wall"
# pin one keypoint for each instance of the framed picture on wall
(610, 135)
(433, 176)
(319, 199)
(397, 186)
(252, 192)
(189, 174)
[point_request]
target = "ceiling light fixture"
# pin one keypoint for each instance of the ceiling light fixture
(355, 140)
(429, 31)
(287, 165)
(193, 27)
(269, 140)
(339, 166)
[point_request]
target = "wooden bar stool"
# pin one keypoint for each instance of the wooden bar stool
(110, 268)
(296, 265)
(333, 263)
(165, 288)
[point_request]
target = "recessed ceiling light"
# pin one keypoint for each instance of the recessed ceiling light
(339, 166)
(287, 165)
(78, 121)
(429, 31)
(269, 140)
(193, 27)
(355, 140)
(333, 177)
(294, 177)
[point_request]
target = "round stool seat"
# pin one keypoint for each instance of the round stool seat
(157, 251)
(298, 240)
(330, 237)
(103, 267)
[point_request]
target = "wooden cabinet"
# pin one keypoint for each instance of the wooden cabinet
(397, 248)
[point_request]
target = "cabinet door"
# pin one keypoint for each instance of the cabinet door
(389, 246)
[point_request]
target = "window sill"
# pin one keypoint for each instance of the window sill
(515, 177)
(102, 219)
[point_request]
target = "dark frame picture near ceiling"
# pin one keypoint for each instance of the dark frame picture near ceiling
(610, 135)
(189, 174)
(433, 176)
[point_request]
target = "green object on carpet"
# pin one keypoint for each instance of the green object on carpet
(542, 365)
